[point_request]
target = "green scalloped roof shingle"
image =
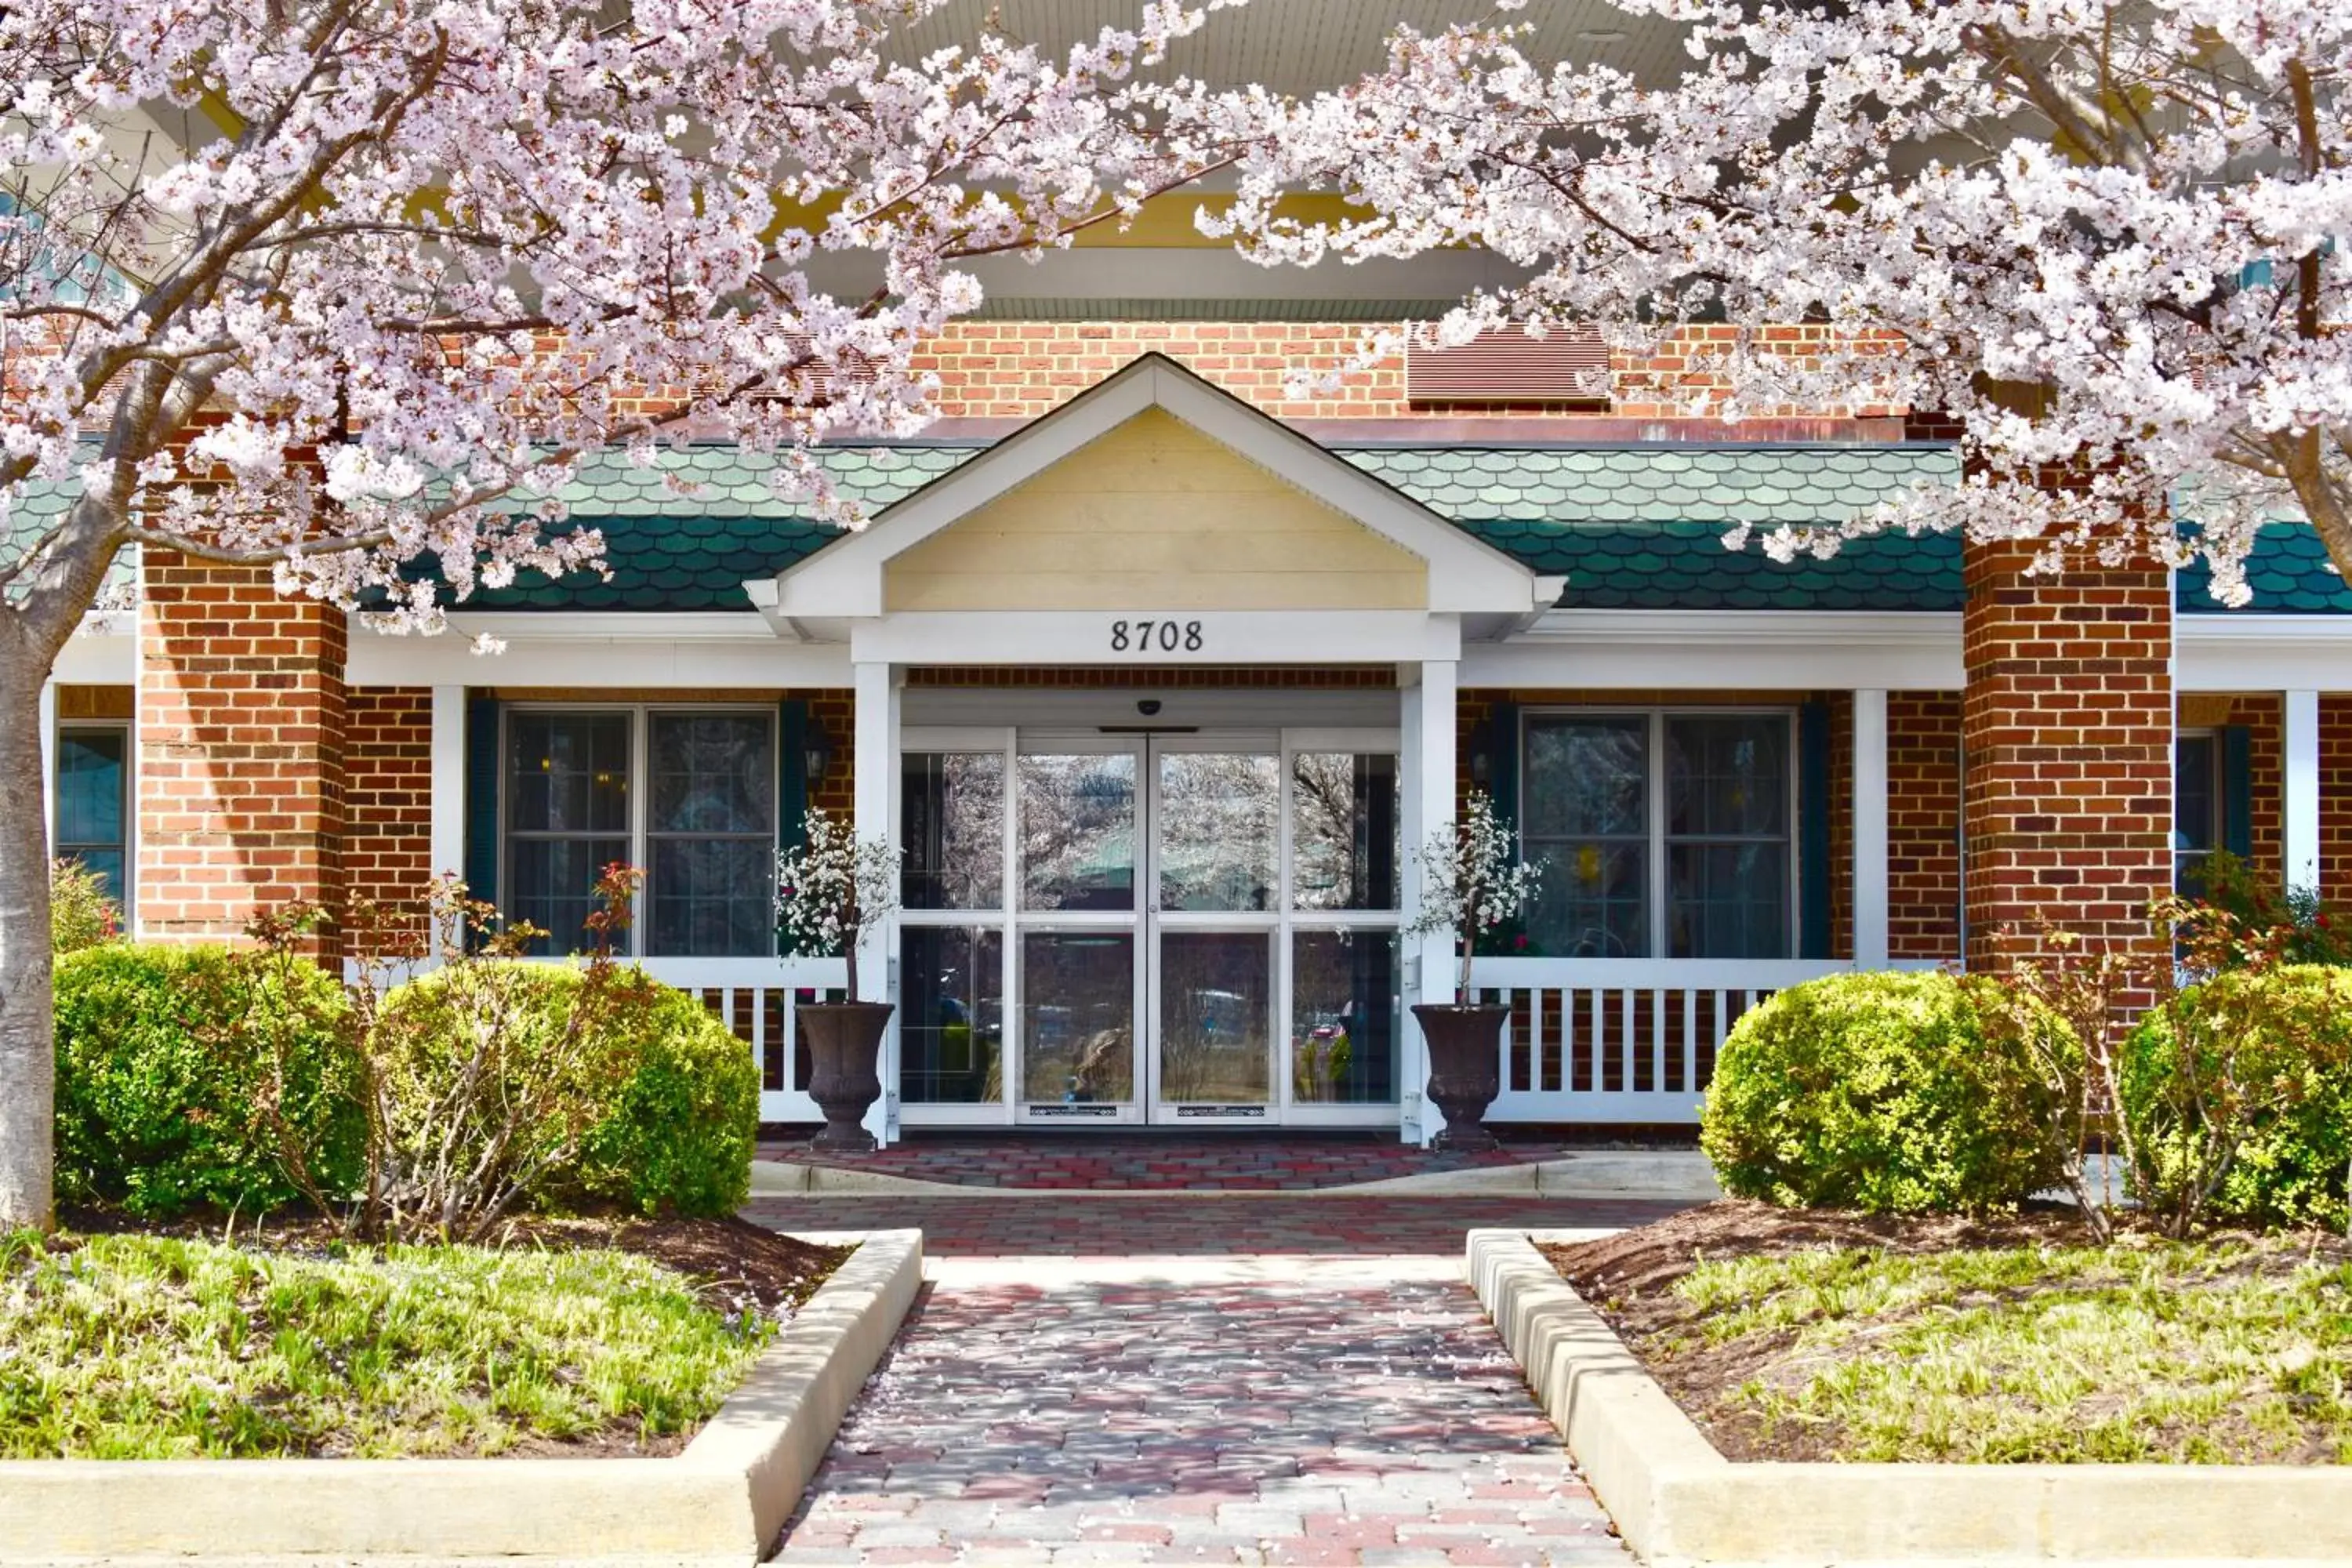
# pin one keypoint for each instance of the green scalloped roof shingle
(34, 509)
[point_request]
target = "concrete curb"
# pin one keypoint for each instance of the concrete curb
(722, 1500)
(1600, 1173)
(1678, 1502)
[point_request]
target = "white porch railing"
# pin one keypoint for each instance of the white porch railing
(753, 997)
(1621, 1040)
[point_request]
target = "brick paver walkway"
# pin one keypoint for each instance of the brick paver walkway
(1202, 1226)
(1293, 1163)
(1237, 1381)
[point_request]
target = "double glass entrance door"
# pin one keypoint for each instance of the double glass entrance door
(1194, 928)
(1150, 892)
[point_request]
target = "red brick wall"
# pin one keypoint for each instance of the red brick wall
(2068, 722)
(241, 736)
(388, 796)
(1923, 823)
(1018, 370)
(2336, 795)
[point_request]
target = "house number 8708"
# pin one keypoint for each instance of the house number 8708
(1155, 637)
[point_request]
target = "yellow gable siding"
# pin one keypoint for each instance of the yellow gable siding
(1156, 516)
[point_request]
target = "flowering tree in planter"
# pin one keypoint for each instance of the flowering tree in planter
(1471, 881)
(831, 890)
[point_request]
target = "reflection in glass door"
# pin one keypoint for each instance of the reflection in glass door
(1215, 875)
(1109, 930)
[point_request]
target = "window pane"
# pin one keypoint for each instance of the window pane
(2196, 808)
(1343, 1017)
(106, 864)
(1591, 901)
(569, 773)
(713, 772)
(1077, 832)
(710, 898)
(89, 787)
(952, 823)
(1728, 900)
(550, 881)
(1219, 817)
(1727, 776)
(1344, 831)
(1586, 778)
(951, 1016)
(1077, 1017)
(1216, 1017)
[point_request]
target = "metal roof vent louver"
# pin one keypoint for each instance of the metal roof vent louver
(1566, 366)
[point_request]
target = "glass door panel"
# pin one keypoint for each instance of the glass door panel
(1343, 1017)
(950, 1015)
(1215, 830)
(1216, 999)
(1077, 1020)
(1077, 831)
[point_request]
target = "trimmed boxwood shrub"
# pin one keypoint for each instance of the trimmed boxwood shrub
(2289, 1031)
(158, 1078)
(670, 1127)
(1876, 1091)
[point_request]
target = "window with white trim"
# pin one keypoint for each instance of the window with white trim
(1664, 834)
(2196, 806)
(688, 795)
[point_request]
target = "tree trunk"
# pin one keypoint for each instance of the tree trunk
(27, 1061)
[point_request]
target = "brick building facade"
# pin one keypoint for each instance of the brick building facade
(1741, 774)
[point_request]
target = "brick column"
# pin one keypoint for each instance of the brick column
(2067, 730)
(241, 722)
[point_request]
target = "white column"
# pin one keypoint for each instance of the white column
(876, 817)
(50, 767)
(448, 798)
(2300, 812)
(1426, 734)
(1870, 936)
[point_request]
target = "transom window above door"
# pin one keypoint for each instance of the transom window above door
(690, 795)
(1663, 834)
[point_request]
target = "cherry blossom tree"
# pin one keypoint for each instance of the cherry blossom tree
(2107, 241)
(376, 272)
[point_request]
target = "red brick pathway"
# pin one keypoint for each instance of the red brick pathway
(1117, 1380)
(1237, 1162)
(1198, 1226)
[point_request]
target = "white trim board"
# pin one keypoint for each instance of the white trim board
(1466, 576)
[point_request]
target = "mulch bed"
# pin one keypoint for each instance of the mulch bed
(738, 1263)
(1630, 1279)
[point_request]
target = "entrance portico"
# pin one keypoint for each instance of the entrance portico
(1155, 899)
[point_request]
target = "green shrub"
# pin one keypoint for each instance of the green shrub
(80, 914)
(638, 1095)
(1876, 1091)
(2271, 1073)
(160, 1088)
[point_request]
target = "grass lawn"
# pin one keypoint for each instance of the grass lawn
(133, 1345)
(1828, 1337)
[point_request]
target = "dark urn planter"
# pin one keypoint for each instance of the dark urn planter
(845, 1041)
(1465, 1068)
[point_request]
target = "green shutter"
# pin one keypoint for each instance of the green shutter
(482, 796)
(791, 771)
(1813, 829)
(2237, 790)
(1502, 745)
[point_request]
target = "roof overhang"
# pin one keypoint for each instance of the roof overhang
(845, 580)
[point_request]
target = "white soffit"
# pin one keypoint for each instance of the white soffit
(1465, 575)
